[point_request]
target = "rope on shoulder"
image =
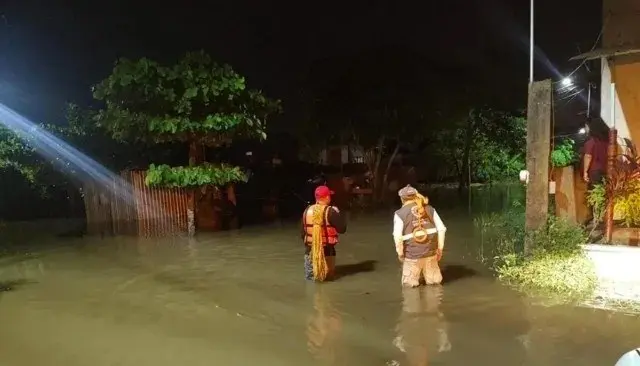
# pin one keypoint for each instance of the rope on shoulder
(319, 262)
(420, 232)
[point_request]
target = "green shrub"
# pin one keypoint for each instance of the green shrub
(597, 201)
(504, 232)
(557, 263)
(564, 154)
(627, 206)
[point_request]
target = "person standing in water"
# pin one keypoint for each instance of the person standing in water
(418, 233)
(321, 225)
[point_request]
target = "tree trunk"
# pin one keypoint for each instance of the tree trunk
(385, 177)
(195, 158)
(456, 163)
(376, 169)
(466, 155)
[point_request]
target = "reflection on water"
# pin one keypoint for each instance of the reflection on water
(239, 298)
(422, 328)
(324, 328)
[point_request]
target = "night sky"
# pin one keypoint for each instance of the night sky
(52, 51)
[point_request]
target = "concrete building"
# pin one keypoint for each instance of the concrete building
(620, 68)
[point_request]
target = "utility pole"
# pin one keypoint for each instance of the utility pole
(538, 147)
(538, 151)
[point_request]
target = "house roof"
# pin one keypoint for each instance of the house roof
(606, 52)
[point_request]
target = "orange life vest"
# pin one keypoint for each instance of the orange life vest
(329, 233)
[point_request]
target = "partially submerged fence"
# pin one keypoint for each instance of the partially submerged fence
(134, 209)
(160, 211)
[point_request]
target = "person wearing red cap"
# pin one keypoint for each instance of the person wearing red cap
(321, 225)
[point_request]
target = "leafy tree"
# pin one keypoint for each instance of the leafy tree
(20, 151)
(196, 102)
(480, 143)
(382, 101)
(16, 153)
(498, 152)
(492, 162)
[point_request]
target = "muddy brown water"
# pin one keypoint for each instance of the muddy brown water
(239, 298)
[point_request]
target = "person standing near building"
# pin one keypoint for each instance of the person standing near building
(594, 154)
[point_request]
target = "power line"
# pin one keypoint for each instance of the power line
(595, 44)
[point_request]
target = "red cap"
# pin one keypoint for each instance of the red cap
(323, 192)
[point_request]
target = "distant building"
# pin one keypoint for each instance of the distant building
(620, 67)
(338, 155)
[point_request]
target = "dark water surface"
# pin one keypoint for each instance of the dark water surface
(239, 298)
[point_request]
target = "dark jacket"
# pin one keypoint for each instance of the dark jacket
(414, 250)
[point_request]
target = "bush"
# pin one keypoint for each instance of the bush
(564, 154)
(504, 230)
(628, 206)
(557, 264)
(597, 201)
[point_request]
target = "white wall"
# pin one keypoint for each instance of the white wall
(620, 122)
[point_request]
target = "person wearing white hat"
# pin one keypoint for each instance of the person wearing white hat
(418, 233)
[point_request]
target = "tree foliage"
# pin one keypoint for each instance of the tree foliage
(195, 101)
(21, 151)
(195, 176)
(478, 144)
(564, 154)
(16, 153)
(499, 147)
(382, 101)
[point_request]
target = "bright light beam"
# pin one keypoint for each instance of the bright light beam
(65, 157)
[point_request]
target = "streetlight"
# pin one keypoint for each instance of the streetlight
(582, 131)
(567, 82)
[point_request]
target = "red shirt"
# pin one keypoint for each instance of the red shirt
(598, 151)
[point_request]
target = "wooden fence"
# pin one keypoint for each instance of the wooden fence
(160, 211)
(129, 207)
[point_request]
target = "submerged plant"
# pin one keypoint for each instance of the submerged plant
(557, 264)
(504, 231)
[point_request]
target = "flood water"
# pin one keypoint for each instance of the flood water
(239, 298)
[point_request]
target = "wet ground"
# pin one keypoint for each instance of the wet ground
(239, 298)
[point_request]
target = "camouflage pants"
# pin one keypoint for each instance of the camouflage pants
(308, 266)
(414, 269)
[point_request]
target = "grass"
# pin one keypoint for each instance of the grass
(557, 265)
